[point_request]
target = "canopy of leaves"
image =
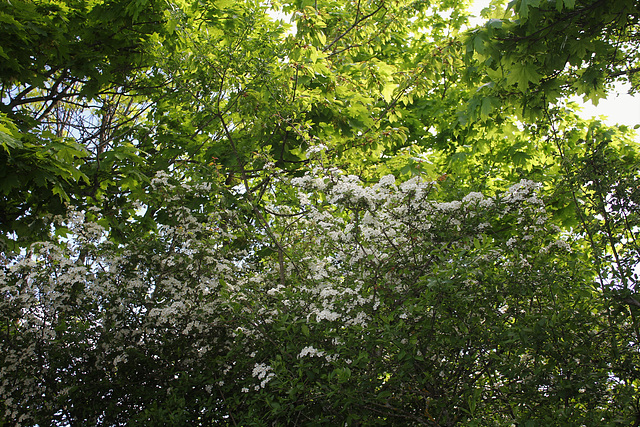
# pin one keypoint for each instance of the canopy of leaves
(540, 51)
(316, 212)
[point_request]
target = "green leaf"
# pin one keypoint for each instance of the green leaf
(387, 91)
(305, 330)
(486, 106)
(522, 74)
(524, 5)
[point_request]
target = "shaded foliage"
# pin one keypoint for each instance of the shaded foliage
(367, 214)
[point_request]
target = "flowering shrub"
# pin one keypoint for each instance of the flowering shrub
(395, 308)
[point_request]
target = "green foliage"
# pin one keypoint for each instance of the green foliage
(71, 77)
(541, 51)
(311, 213)
(36, 177)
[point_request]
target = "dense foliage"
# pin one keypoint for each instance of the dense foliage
(364, 214)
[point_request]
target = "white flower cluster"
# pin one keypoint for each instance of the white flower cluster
(107, 298)
(316, 149)
(387, 225)
(160, 180)
(264, 373)
(311, 352)
(523, 190)
(375, 251)
(559, 243)
(326, 314)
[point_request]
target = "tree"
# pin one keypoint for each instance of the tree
(73, 78)
(542, 51)
(391, 318)
(214, 217)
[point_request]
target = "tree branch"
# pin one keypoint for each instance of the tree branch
(354, 25)
(260, 217)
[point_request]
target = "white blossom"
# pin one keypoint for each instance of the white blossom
(311, 352)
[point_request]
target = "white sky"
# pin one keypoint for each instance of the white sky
(619, 108)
